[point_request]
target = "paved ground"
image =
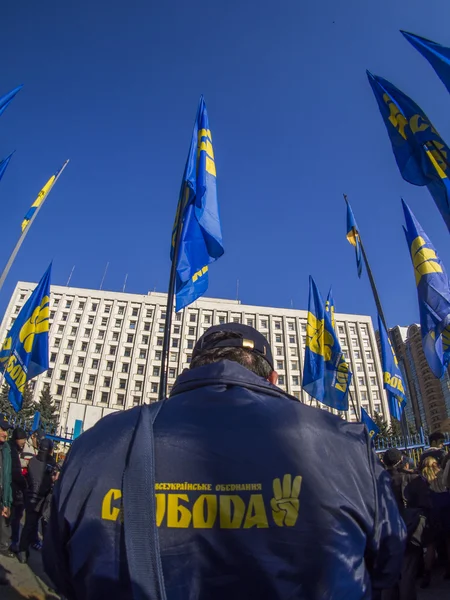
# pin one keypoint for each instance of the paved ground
(28, 582)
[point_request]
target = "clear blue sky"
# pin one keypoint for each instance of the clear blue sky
(114, 86)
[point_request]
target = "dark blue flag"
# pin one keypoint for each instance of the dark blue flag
(367, 420)
(353, 237)
(201, 237)
(24, 353)
(4, 163)
(7, 98)
(392, 376)
(433, 290)
(420, 152)
(326, 374)
(438, 56)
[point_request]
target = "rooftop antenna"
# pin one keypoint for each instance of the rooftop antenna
(104, 275)
(125, 282)
(237, 289)
(70, 276)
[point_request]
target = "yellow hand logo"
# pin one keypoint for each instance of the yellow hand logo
(424, 259)
(37, 323)
(318, 340)
(285, 503)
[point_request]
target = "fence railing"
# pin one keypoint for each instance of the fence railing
(53, 432)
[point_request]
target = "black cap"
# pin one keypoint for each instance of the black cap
(392, 457)
(46, 445)
(19, 434)
(246, 337)
(4, 423)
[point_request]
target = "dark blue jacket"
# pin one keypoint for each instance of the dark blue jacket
(258, 496)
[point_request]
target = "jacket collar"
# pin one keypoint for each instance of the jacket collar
(225, 373)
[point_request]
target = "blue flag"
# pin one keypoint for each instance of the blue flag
(4, 163)
(24, 353)
(329, 307)
(353, 237)
(7, 98)
(201, 237)
(433, 290)
(326, 375)
(392, 377)
(438, 56)
(421, 154)
(367, 420)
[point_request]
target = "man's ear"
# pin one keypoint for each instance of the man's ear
(273, 378)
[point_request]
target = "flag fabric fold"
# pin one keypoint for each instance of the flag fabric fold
(433, 291)
(6, 100)
(201, 235)
(367, 420)
(24, 353)
(326, 374)
(353, 237)
(4, 164)
(40, 199)
(438, 56)
(421, 154)
(329, 307)
(392, 376)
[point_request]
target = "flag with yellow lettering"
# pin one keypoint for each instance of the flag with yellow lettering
(420, 152)
(353, 237)
(4, 163)
(433, 290)
(201, 235)
(326, 374)
(24, 353)
(367, 420)
(392, 377)
(438, 56)
(40, 199)
(7, 98)
(329, 307)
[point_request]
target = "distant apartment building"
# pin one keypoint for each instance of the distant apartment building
(429, 397)
(106, 347)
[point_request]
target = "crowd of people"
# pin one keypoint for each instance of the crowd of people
(28, 472)
(230, 488)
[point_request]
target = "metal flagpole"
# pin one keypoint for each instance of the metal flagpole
(382, 317)
(70, 276)
(170, 298)
(125, 282)
(26, 230)
(104, 275)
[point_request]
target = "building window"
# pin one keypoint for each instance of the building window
(64, 316)
(292, 339)
(149, 312)
(163, 315)
(294, 366)
(142, 353)
(59, 390)
(352, 330)
(115, 336)
(140, 369)
(134, 312)
(73, 331)
(295, 380)
(207, 319)
(146, 326)
(277, 324)
(87, 332)
(188, 358)
(62, 375)
(120, 400)
(190, 344)
(77, 319)
(278, 339)
(81, 305)
(66, 359)
(191, 331)
(70, 344)
(84, 346)
(364, 329)
(118, 323)
(366, 343)
(94, 307)
(236, 319)
(132, 325)
(375, 395)
(361, 381)
(104, 397)
(357, 354)
(341, 329)
(80, 362)
(363, 396)
(53, 357)
(55, 301)
(290, 326)
(354, 342)
(296, 394)
(109, 365)
(130, 338)
(120, 310)
(90, 321)
(138, 386)
(192, 317)
(173, 357)
(293, 351)
(263, 324)
(155, 371)
(98, 348)
(91, 380)
(107, 308)
(378, 408)
(172, 373)
(280, 365)
(370, 367)
(125, 367)
(221, 320)
(369, 354)
(122, 384)
(303, 327)
(178, 317)
(60, 328)
(175, 342)
(107, 382)
(161, 328)
(127, 352)
(280, 379)
(176, 329)
(104, 321)
(76, 377)
(279, 351)
(145, 339)
(373, 381)
(154, 388)
(359, 367)
(136, 400)
(250, 322)
(49, 372)
(112, 350)
(74, 392)
(158, 355)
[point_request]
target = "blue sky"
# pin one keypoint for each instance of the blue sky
(114, 86)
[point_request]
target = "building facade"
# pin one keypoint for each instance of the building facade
(429, 397)
(106, 347)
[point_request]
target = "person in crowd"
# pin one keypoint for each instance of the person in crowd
(46, 509)
(436, 449)
(40, 469)
(246, 505)
(31, 447)
(399, 468)
(5, 489)
(19, 484)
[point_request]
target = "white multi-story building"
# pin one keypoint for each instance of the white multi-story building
(105, 348)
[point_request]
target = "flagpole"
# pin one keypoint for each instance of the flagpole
(169, 305)
(376, 297)
(25, 231)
